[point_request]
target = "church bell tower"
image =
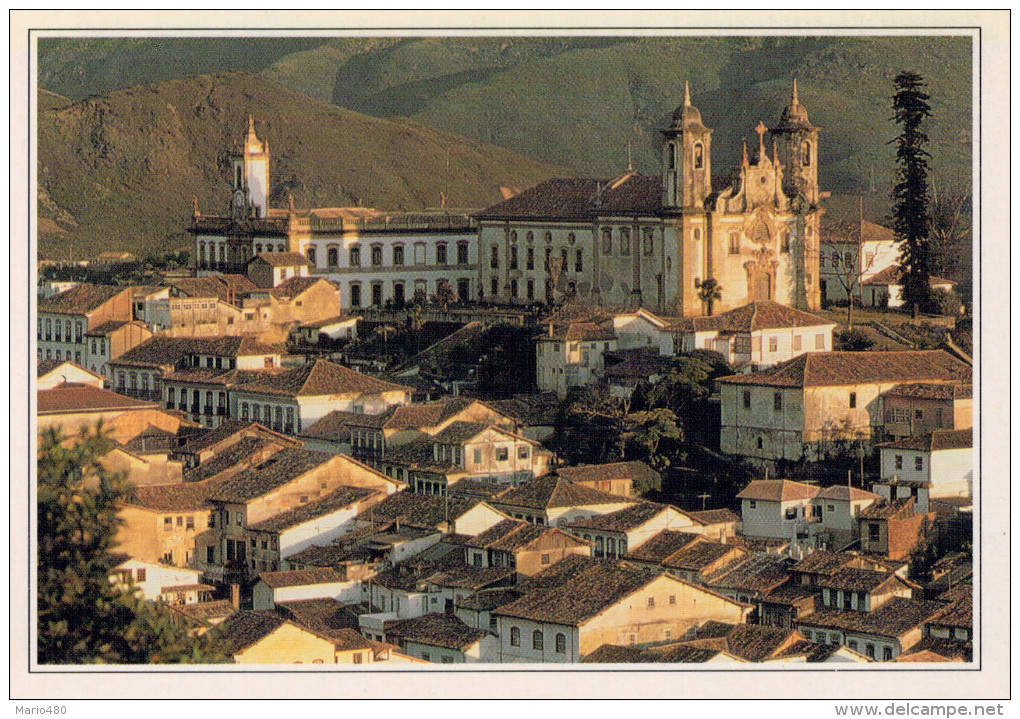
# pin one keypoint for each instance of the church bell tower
(797, 142)
(250, 176)
(686, 159)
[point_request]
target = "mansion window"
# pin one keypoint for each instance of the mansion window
(494, 258)
(548, 290)
(530, 237)
(529, 262)
(853, 400)
(513, 235)
(513, 257)
(624, 240)
(537, 640)
(462, 253)
(332, 256)
(398, 293)
(747, 399)
(502, 454)
(607, 241)
(441, 254)
(548, 259)
(515, 636)
(171, 398)
(578, 261)
(548, 237)
(376, 294)
(777, 401)
(355, 295)
(531, 289)
(355, 257)
(513, 289)
(918, 464)
(734, 243)
(563, 259)
(376, 255)
(398, 255)
(561, 643)
(494, 287)
(649, 241)
(773, 344)
(310, 254)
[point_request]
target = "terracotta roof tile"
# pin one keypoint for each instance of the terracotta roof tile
(295, 286)
(637, 471)
(80, 299)
(419, 510)
(667, 654)
(321, 378)
(271, 474)
(940, 439)
(753, 317)
(282, 259)
(822, 369)
(205, 611)
(892, 619)
(161, 351)
(714, 516)
(759, 573)
(551, 491)
(896, 509)
(246, 628)
(822, 562)
(856, 580)
(74, 398)
(777, 490)
(302, 577)
(696, 556)
(576, 199)
(842, 493)
(958, 614)
(437, 630)
(931, 390)
(332, 502)
(662, 545)
(623, 520)
(326, 616)
(184, 497)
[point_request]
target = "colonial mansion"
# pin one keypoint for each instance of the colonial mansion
(630, 241)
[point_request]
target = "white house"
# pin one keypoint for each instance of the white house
(776, 508)
(641, 329)
(175, 585)
(571, 355)
(759, 334)
(50, 373)
(886, 288)
(269, 269)
(850, 259)
(440, 638)
(296, 584)
(943, 460)
(838, 508)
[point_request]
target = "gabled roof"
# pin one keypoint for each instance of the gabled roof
(709, 517)
(896, 509)
(73, 398)
(676, 653)
(44, 367)
(940, 439)
(892, 619)
(247, 628)
(753, 317)
(338, 499)
(162, 351)
(841, 493)
(858, 580)
(752, 642)
(437, 630)
(302, 577)
(425, 511)
(551, 491)
(225, 288)
(295, 286)
(893, 275)
(326, 616)
(932, 390)
(579, 199)
(460, 432)
(282, 259)
(624, 520)
(698, 556)
(754, 573)
(513, 534)
(335, 320)
(662, 545)
(182, 497)
(637, 471)
(283, 467)
(80, 299)
(777, 490)
(833, 369)
(577, 332)
(321, 378)
(822, 562)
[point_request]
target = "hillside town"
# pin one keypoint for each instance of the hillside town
(607, 420)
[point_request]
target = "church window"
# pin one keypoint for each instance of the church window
(531, 289)
(672, 156)
(355, 256)
(494, 260)
(355, 295)
(513, 257)
(462, 253)
(48, 329)
(376, 255)
(310, 254)
(548, 237)
(494, 287)
(734, 243)
(571, 237)
(624, 240)
(805, 154)
(530, 237)
(441, 254)
(607, 240)
(649, 241)
(578, 261)
(563, 259)
(699, 156)
(530, 259)
(513, 289)
(697, 233)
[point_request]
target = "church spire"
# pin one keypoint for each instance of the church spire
(743, 152)
(630, 160)
(794, 100)
(761, 130)
(687, 94)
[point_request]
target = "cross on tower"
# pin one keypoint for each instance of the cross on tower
(761, 130)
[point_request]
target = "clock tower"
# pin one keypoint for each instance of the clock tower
(250, 175)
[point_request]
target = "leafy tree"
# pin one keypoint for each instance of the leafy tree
(709, 293)
(910, 193)
(644, 432)
(444, 294)
(83, 617)
(853, 341)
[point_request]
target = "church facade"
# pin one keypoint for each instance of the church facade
(651, 241)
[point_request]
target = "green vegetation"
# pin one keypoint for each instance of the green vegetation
(134, 272)
(83, 617)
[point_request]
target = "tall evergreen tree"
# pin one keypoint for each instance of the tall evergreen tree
(910, 193)
(82, 617)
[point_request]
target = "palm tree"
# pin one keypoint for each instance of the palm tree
(709, 292)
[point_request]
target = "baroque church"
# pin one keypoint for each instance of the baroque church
(647, 241)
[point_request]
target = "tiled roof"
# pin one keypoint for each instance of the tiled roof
(938, 649)
(637, 471)
(777, 490)
(459, 432)
(666, 654)
(327, 616)
(226, 288)
(336, 500)
(302, 577)
(282, 259)
(623, 520)
(577, 332)
(73, 398)
(753, 317)
(477, 489)
(695, 556)
(44, 367)
(183, 497)
(152, 440)
(892, 619)
(330, 555)
(856, 580)
(893, 275)
(589, 588)
(662, 545)
(512, 534)
(437, 630)
(940, 439)
(246, 628)
(752, 642)
(551, 491)
(161, 351)
(321, 378)
(957, 614)
(226, 429)
(294, 287)
(759, 573)
(842, 493)
(204, 611)
(714, 516)
(80, 299)
(579, 199)
(241, 452)
(822, 562)
(468, 577)
(932, 390)
(282, 467)
(336, 426)
(418, 510)
(824, 369)
(111, 326)
(336, 319)
(489, 599)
